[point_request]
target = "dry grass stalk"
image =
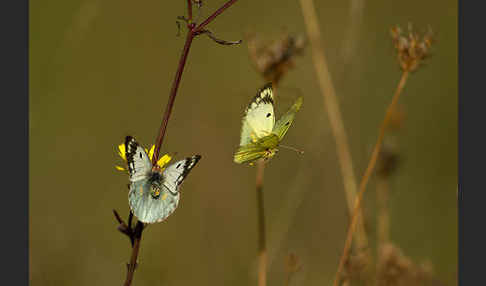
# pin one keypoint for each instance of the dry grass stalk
(262, 248)
(351, 35)
(335, 118)
(292, 266)
(411, 50)
(386, 166)
(367, 175)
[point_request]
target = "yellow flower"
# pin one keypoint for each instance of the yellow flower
(161, 162)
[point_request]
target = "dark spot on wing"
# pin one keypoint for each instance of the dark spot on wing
(287, 124)
(268, 114)
(189, 163)
(130, 151)
(140, 154)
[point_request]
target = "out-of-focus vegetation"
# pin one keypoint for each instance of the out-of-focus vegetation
(101, 70)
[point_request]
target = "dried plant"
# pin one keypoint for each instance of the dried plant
(274, 59)
(412, 47)
(357, 269)
(411, 53)
(292, 266)
(335, 118)
(396, 269)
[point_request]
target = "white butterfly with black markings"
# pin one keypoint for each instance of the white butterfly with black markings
(154, 193)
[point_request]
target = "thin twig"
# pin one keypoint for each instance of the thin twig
(173, 94)
(262, 248)
(334, 114)
(351, 36)
(192, 32)
(383, 219)
(219, 41)
(189, 10)
(214, 15)
(133, 259)
(367, 174)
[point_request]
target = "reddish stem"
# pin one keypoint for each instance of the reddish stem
(189, 10)
(173, 93)
(193, 32)
(216, 13)
(136, 235)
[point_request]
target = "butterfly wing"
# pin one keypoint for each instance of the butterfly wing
(283, 124)
(151, 209)
(265, 148)
(175, 174)
(259, 116)
(139, 165)
(249, 153)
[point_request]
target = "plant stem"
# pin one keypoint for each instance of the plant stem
(212, 16)
(262, 248)
(383, 220)
(367, 174)
(334, 114)
(173, 94)
(189, 10)
(133, 259)
(192, 32)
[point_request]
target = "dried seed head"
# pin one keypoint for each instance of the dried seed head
(356, 267)
(412, 47)
(274, 59)
(396, 269)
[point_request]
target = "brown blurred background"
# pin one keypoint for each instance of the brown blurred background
(101, 70)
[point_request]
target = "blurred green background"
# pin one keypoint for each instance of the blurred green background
(101, 70)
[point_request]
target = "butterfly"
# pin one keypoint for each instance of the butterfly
(154, 193)
(260, 134)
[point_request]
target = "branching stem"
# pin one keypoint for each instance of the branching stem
(367, 174)
(192, 32)
(135, 235)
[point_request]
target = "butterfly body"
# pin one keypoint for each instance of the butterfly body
(154, 193)
(265, 148)
(260, 134)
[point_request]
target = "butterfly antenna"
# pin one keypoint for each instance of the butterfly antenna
(292, 148)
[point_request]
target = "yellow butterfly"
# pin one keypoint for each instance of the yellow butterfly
(260, 135)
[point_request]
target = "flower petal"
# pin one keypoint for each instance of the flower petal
(121, 151)
(151, 152)
(164, 160)
(119, 168)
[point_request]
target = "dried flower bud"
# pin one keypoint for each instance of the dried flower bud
(412, 48)
(274, 59)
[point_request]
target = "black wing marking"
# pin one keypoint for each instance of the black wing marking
(138, 161)
(175, 174)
